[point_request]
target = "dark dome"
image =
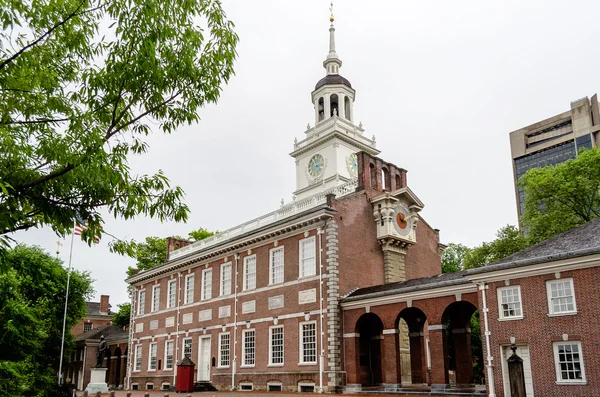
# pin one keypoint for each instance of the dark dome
(333, 79)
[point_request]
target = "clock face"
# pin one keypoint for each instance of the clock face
(353, 164)
(316, 165)
(402, 221)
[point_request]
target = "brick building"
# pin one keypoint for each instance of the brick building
(98, 314)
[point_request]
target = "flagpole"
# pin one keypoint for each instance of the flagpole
(62, 343)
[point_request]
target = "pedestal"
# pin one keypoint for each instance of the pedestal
(97, 383)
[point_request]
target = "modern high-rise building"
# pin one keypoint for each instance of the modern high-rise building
(554, 140)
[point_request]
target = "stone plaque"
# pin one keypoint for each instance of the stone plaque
(307, 296)
(205, 315)
(248, 307)
(154, 324)
(224, 311)
(187, 318)
(139, 327)
(276, 302)
(170, 322)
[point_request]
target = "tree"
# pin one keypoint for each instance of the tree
(561, 197)
(32, 297)
(508, 241)
(81, 82)
(121, 318)
(452, 258)
(153, 251)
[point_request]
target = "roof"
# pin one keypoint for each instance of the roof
(416, 284)
(333, 79)
(93, 309)
(110, 332)
(580, 241)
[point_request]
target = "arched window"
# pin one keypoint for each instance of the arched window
(347, 108)
(398, 181)
(321, 109)
(373, 176)
(385, 179)
(335, 110)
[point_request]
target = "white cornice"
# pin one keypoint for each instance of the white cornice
(538, 269)
(392, 297)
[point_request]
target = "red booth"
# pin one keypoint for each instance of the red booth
(185, 376)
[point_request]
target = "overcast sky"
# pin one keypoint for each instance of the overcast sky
(439, 83)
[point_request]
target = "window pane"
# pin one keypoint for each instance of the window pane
(187, 348)
(249, 344)
(189, 288)
(152, 356)
(510, 302)
(224, 350)
(309, 343)
(277, 266)
(226, 279)
(142, 302)
(561, 296)
(569, 362)
(155, 298)
(277, 345)
(308, 258)
(250, 272)
(207, 284)
(169, 355)
(138, 357)
(172, 291)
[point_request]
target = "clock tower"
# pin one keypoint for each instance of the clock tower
(326, 157)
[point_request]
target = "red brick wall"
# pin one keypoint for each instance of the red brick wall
(78, 329)
(539, 331)
(423, 258)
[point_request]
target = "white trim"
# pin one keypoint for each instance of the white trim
(391, 331)
(155, 344)
(245, 271)
(172, 353)
(300, 258)
(271, 251)
(551, 312)
(243, 362)
(538, 269)
(200, 338)
(219, 357)
(501, 316)
(202, 282)
(139, 312)
(222, 291)
(155, 298)
(186, 301)
(352, 335)
(301, 343)
(271, 363)
(412, 296)
(171, 286)
(560, 381)
(242, 384)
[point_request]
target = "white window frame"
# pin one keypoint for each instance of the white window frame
(204, 295)
(90, 325)
(301, 273)
(501, 316)
(244, 333)
(137, 358)
(172, 343)
(150, 356)
(171, 293)
(223, 289)
(246, 285)
(559, 379)
(309, 384)
(271, 251)
(141, 302)
(155, 298)
(183, 346)
(301, 344)
(220, 353)
(551, 311)
(271, 363)
(189, 288)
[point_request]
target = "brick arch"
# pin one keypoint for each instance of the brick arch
(369, 330)
(456, 318)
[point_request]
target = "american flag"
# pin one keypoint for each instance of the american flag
(80, 226)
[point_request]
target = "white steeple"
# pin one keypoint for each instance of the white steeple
(332, 63)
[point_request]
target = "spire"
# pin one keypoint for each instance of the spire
(332, 63)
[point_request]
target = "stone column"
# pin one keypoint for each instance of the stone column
(327, 106)
(316, 111)
(342, 106)
(462, 352)
(439, 356)
(390, 360)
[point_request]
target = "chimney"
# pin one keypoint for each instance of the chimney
(175, 243)
(104, 304)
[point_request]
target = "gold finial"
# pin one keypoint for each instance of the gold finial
(331, 19)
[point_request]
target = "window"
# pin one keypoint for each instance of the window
(206, 284)
(306, 387)
(187, 347)
(276, 345)
(308, 263)
(275, 386)
(155, 298)
(250, 272)
(249, 344)
(152, 357)
(224, 349)
(569, 362)
(308, 343)
(246, 386)
(169, 354)
(138, 358)
(189, 289)
(276, 261)
(87, 327)
(172, 293)
(561, 296)
(142, 302)
(149, 386)
(509, 302)
(226, 279)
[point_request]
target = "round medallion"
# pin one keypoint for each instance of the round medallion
(402, 221)
(316, 165)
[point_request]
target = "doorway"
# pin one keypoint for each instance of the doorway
(204, 359)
